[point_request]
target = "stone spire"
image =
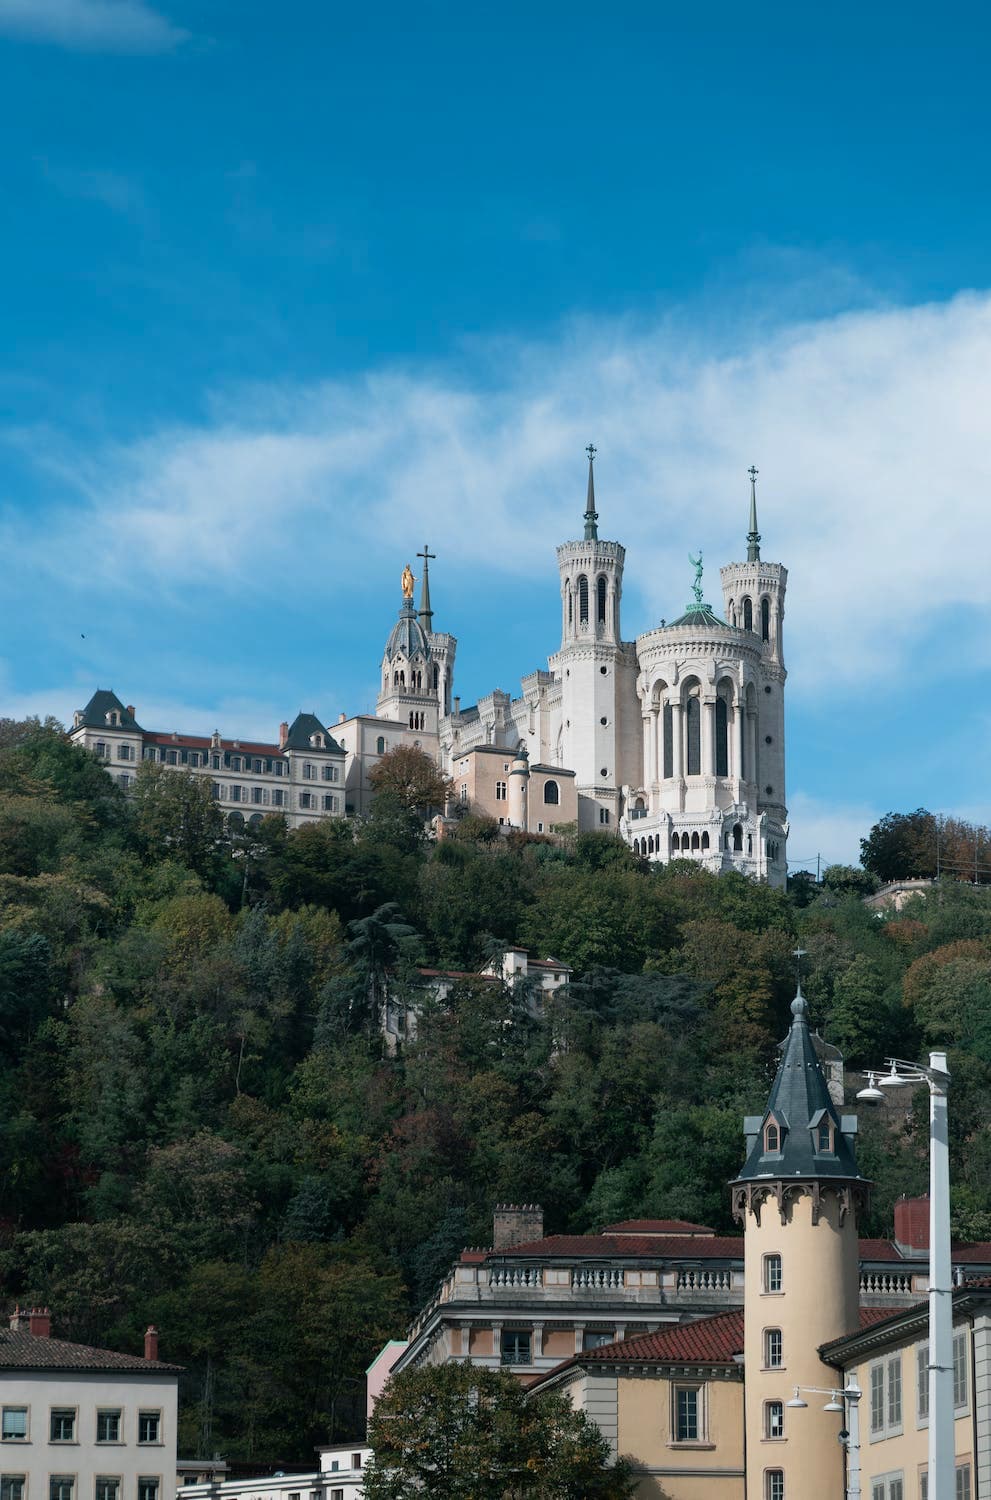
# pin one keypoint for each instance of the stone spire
(753, 535)
(426, 613)
(591, 514)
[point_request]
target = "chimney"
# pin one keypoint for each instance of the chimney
(912, 1227)
(516, 1224)
(131, 710)
(20, 1321)
(283, 734)
(151, 1343)
(342, 718)
(39, 1322)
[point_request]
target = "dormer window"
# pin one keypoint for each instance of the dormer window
(822, 1133)
(113, 717)
(316, 740)
(772, 1139)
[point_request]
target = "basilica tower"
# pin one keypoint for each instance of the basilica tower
(410, 681)
(599, 729)
(798, 1197)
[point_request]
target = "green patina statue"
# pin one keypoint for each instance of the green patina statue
(696, 563)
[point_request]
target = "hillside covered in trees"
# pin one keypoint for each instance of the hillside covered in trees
(201, 1128)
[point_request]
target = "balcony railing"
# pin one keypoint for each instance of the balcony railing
(705, 1281)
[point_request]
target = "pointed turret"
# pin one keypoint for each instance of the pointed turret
(426, 613)
(591, 514)
(753, 535)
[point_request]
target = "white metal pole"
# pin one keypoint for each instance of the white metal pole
(941, 1445)
(853, 1394)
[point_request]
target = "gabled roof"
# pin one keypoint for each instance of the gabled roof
(103, 702)
(651, 1246)
(305, 725)
(706, 1341)
(658, 1227)
(799, 1096)
(28, 1351)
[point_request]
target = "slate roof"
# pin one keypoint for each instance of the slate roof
(300, 730)
(27, 1351)
(408, 638)
(798, 1100)
(103, 702)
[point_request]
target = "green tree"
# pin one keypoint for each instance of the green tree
(175, 814)
(900, 846)
(461, 1432)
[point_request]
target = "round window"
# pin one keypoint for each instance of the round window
(769, 790)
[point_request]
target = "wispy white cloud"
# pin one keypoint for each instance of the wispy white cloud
(91, 25)
(829, 832)
(869, 430)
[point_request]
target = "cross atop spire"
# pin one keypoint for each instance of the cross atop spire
(753, 535)
(591, 514)
(426, 613)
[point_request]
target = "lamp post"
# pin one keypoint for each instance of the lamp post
(846, 1400)
(937, 1077)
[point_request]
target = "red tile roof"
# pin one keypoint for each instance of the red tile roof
(656, 1226)
(27, 1351)
(712, 1247)
(706, 1341)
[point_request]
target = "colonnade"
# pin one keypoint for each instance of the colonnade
(741, 740)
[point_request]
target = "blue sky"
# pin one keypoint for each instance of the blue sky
(287, 291)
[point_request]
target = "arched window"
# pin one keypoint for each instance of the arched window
(738, 838)
(765, 619)
(748, 615)
(668, 733)
(583, 600)
(380, 745)
(722, 738)
(750, 843)
(693, 732)
(705, 841)
(732, 613)
(436, 677)
(571, 607)
(695, 842)
(235, 820)
(772, 1138)
(600, 599)
(552, 794)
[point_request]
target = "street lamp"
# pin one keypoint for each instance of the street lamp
(937, 1077)
(848, 1400)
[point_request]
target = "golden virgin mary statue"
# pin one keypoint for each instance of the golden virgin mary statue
(408, 581)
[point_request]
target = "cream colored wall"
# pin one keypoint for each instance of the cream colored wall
(39, 1458)
(819, 1302)
(685, 1471)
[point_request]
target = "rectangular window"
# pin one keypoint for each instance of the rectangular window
(309, 771)
(147, 1488)
(774, 1484)
(772, 1349)
(877, 1398)
(171, 757)
(963, 1482)
(515, 1348)
(306, 799)
(774, 1419)
(888, 1487)
(922, 1382)
(329, 802)
(278, 797)
(62, 1427)
(108, 1426)
(959, 1370)
(258, 795)
(194, 757)
(236, 763)
(149, 1426)
(216, 791)
(923, 1485)
(337, 1495)
(234, 793)
(150, 753)
(215, 762)
(125, 752)
(15, 1424)
(594, 1339)
(500, 791)
(329, 773)
(603, 815)
(256, 765)
(12, 1487)
(356, 1460)
(772, 1273)
(124, 779)
(686, 1414)
(895, 1391)
(107, 1487)
(60, 1486)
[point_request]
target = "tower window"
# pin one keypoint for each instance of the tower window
(772, 1138)
(552, 793)
(500, 791)
(705, 841)
(738, 838)
(571, 608)
(722, 738)
(772, 1349)
(774, 1484)
(583, 600)
(765, 619)
(748, 614)
(774, 1419)
(668, 732)
(694, 736)
(600, 599)
(772, 1273)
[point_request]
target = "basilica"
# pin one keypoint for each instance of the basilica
(674, 740)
